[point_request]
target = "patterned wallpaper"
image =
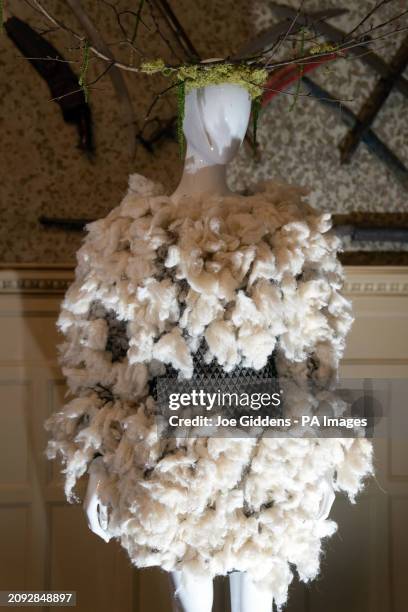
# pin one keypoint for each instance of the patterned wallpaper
(43, 171)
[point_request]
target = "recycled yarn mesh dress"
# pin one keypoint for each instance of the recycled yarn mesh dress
(248, 277)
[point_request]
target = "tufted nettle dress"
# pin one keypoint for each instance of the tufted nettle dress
(234, 288)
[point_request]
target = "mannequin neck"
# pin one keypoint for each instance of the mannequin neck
(200, 177)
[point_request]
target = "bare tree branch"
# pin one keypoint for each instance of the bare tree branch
(177, 29)
(291, 27)
(116, 76)
(130, 41)
(339, 50)
(367, 17)
(156, 99)
(361, 41)
(106, 57)
(165, 39)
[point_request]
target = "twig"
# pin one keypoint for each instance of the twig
(283, 77)
(360, 52)
(177, 29)
(47, 59)
(74, 91)
(385, 23)
(152, 7)
(118, 16)
(338, 50)
(84, 70)
(106, 57)
(138, 20)
(292, 25)
(164, 129)
(296, 60)
(116, 76)
(301, 69)
(366, 17)
(46, 31)
(267, 40)
(102, 74)
(157, 98)
(371, 59)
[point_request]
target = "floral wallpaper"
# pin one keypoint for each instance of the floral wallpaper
(44, 173)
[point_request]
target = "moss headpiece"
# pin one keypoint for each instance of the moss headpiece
(188, 77)
(201, 75)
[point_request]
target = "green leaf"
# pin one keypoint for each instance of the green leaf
(84, 70)
(256, 108)
(181, 103)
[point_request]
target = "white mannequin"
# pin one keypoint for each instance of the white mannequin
(215, 123)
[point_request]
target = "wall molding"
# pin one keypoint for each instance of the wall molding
(34, 285)
(54, 279)
(42, 280)
(376, 281)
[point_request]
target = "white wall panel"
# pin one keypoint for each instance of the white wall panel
(13, 431)
(80, 561)
(45, 543)
(14, 526)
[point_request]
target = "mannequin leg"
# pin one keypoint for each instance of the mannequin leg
(235, 591)
(246, 596)
(192, 594)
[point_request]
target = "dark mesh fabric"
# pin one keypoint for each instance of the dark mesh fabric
(212, 377)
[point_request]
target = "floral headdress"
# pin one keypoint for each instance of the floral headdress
(285, 51)
(192, 76)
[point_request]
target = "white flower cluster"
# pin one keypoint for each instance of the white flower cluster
(249, 275)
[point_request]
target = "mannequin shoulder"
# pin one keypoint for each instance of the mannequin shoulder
(140, 185)
(142, 196)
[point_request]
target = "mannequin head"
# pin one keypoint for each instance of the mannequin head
(215, 122)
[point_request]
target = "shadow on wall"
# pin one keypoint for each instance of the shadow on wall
(43, 172)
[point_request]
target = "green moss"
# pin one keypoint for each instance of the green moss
(84, 69)
(202, 75)
(153, 66)
(193, 76)
(323, 48)
(181, 101)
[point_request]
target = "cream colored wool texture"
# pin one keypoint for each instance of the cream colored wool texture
(250, 275)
